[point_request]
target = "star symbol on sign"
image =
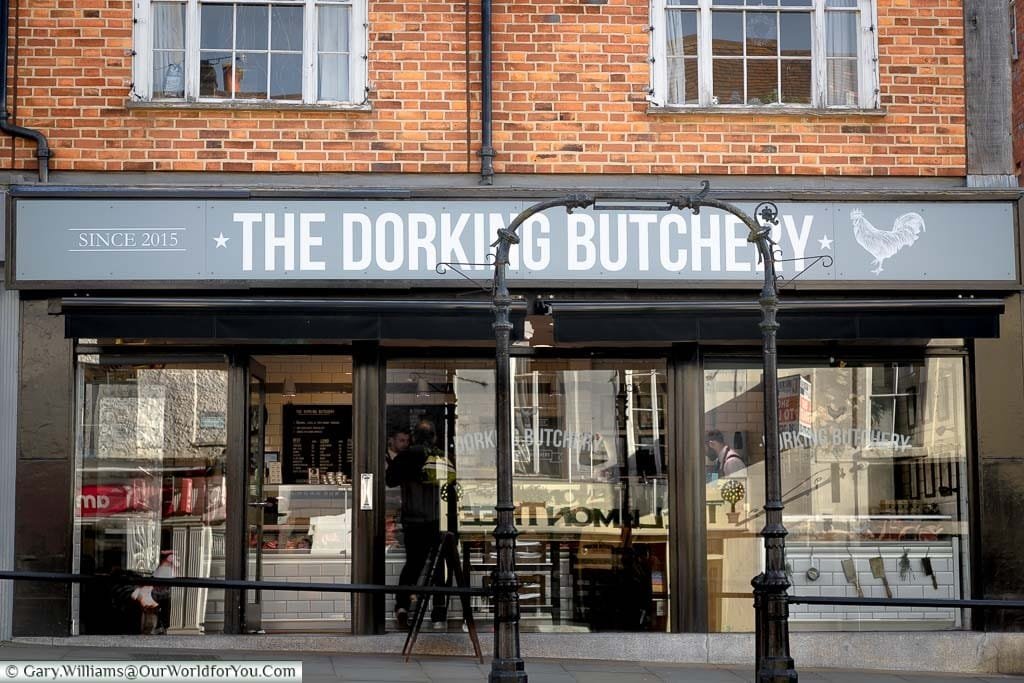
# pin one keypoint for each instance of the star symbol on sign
(825, 243)
(221, 240)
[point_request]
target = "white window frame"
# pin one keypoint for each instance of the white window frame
(867, 51)
(358, 29)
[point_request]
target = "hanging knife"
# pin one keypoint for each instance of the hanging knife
(926, 563)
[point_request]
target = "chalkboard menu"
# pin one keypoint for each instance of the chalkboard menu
(316, 438)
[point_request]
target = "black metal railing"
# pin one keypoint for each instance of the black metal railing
(905, 602)
(236, 584)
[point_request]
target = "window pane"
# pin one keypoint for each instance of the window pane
(286, 28)
(683, 3)
(841, 3)
(252, 30)
(334, 28)
(762, 33)
(682, 34)
(728, 77)
(868, 479)
(797, 3)
(252, 84)
(590, 475)
(212, 66)
(334, 84)
(727, 33)
(796, 34)
(285, 77)
(168, 26)
(169, 73)
(215, 27)
(682, 80)
(152, 498)
(842, 82)
(841, 34)
(796, 81)
(762, 81)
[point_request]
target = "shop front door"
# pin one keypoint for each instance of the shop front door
(298, 493)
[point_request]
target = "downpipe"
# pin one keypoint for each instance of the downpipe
(43, 152)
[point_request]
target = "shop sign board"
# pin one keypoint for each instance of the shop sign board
(96, 241)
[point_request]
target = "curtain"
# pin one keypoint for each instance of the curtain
(333, 52)
(841, 34)
(681, 53)
(168, 49)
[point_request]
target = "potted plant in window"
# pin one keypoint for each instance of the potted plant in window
(732, 493)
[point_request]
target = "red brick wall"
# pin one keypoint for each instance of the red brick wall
(569, 84)
(1018, 94)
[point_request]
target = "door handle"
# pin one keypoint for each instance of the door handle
(260, 504)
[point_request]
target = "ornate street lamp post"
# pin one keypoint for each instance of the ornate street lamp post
(774, 664)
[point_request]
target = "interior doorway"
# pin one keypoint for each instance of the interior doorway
(300, 492)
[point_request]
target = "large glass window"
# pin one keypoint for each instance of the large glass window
(590, 486)
(874, 479)
(150, 495)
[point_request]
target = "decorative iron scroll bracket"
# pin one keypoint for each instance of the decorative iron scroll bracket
(825, 260)
(443, 267)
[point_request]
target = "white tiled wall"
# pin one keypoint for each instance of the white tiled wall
(832, 582)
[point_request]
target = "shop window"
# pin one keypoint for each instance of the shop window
(590, 477)
(150, 496)
(285, 52)
(750, 53)
(873, 463)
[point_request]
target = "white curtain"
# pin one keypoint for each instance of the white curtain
(168, 49)
(841, 33)
(334, 52)
(681, 53)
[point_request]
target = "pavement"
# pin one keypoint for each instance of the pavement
(326, 668)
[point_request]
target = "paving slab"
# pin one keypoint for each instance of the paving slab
(321, 667)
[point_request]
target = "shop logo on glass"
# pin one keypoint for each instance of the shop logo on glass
(883, 244)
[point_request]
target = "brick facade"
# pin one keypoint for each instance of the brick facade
(569, 97)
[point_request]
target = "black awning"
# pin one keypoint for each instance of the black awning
(799, 320)
(283, 319)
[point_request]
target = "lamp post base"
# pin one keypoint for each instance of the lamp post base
(507, 671)
(781, 670)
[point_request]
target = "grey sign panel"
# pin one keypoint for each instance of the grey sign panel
(90, 240)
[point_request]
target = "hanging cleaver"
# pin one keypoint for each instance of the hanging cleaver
(926, 563)
(878, 571)
(851, 576)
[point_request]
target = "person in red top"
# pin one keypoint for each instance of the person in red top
(723, 460)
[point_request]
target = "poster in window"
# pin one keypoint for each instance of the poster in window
(316, 438)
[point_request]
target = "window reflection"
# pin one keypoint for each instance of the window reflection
(151, 497)
(872, 459)
(590, 486)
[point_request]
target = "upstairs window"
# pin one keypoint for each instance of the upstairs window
(750, 53)
(286, 51)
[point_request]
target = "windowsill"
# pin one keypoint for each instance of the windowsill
(766, 111)
(246, 106)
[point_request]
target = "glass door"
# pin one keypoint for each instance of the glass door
(257, 506)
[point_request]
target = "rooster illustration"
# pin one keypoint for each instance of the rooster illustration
(885, 243)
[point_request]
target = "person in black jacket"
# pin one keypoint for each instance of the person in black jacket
(420, 470)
